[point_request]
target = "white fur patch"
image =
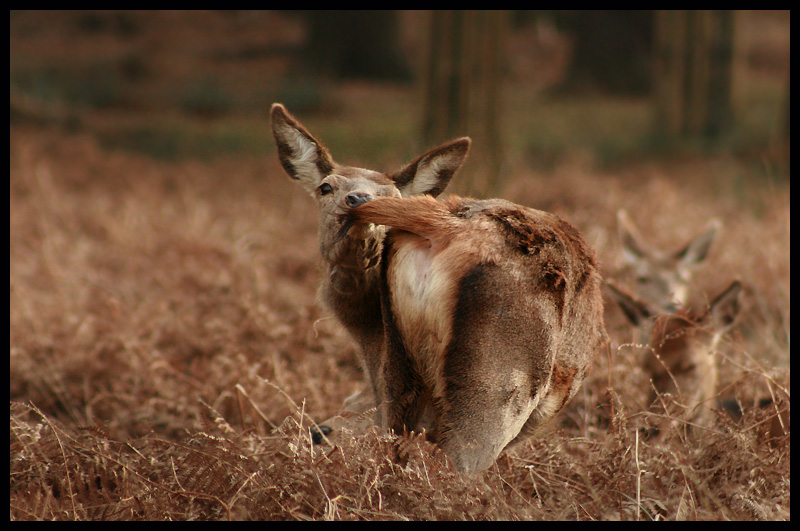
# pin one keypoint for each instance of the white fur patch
(422, 299)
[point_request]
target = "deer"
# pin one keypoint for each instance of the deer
(662, 277)
(477, 320)
(680, 356)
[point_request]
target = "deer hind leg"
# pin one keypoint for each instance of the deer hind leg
(355, 418)
(475, 426)
(555, 396)
(403, 391)
(496, 364)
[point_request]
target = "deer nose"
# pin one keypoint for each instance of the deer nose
(353, 199)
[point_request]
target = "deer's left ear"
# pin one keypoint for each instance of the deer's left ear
(725, 307)
(431, 172)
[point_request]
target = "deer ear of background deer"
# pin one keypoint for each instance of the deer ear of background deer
(697, 249)
(303, 157)
(663, 278)
(725, 307)
(633, 248)
(636, 310)
(630, 238)
(430, 172)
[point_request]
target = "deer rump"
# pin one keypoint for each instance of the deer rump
(491, 315)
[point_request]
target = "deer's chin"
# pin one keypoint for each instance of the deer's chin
(348, 229)
(353, 242)
(364, 231)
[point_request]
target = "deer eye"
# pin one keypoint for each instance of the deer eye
(325, 189)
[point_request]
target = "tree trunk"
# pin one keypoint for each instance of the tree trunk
(461, 88)
(355, 44)
(694, 73)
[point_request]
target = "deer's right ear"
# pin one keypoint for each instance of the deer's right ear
(431, 172)
(637, 311)
(302, 156)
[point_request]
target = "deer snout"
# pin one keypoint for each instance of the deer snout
(354, 199)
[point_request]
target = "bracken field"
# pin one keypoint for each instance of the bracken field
(168, 353)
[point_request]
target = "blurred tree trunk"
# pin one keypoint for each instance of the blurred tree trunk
(612, 50)
(461, 88)
(785, 140)
(355, 44)
(694, 72)
(786, 115)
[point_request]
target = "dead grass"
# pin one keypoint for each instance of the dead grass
(168, 354)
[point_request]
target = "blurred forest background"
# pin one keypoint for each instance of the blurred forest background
(167, 348)
(530, 87)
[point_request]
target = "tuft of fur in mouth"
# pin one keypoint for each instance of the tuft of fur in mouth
(348, 219)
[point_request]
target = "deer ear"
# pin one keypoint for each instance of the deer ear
(632, 248)
(431, 172)
(303, 157)
(637, 311)
(725, 307)
(697, 250)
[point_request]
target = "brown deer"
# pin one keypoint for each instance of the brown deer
(477, 319)
(350, 285)
(662, 278)
(680, 358)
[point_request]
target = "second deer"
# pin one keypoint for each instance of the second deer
(662, 278)
(478, 319)
(680, 357)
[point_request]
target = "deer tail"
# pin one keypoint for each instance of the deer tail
(421, 215)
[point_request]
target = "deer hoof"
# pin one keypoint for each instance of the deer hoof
(318, 435)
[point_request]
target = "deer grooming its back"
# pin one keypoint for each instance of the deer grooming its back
(478, 319)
